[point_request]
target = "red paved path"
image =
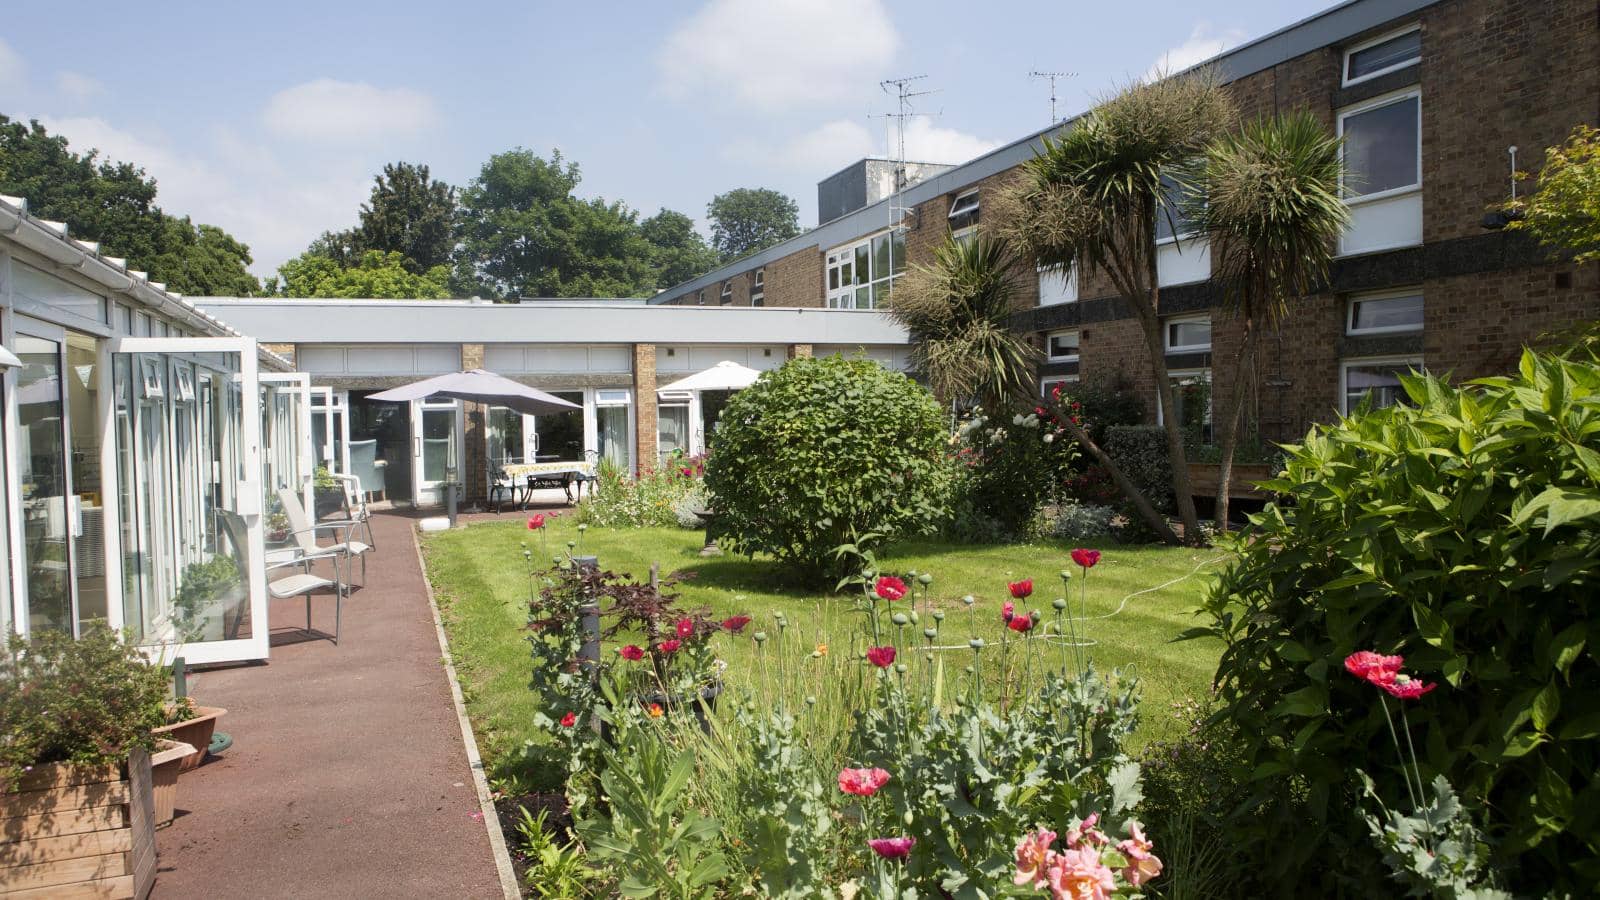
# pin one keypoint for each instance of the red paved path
(347, 777)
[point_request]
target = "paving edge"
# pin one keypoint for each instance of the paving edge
(491, 816)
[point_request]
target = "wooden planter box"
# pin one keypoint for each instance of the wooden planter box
(195, 732)
(79, 831)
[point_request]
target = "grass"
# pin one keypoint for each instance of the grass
(1144, 596)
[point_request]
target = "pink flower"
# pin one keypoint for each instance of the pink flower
(1142, 864)
(685, 628)
(1020, 624)
(882, 657)
(1078, 874)
(890, 588)
(1085, 557)
(1407, 688)
(1007, 610)
(1021, 589)
(892, 848)
(1086, 831)
(631, 653)
(569, 720)
(1033, 856)
(862, 782)
(669, 646)
(1372, 667)
(536, 522)
(735, 624)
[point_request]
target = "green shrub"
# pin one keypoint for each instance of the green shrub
(1072, 521)
(821, 450)
(653, 500)
(86, 701)
(1141, 452)
(1464, 534)
(1101, 405)
(1006, 467)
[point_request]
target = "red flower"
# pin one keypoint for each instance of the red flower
(688, 473)
(892, 848)
(685, 628)
(1373, 667)
(669, 646)
(890, 588)
(1020, 624)
(536, 522)
(1407, 688)
(862, 782)
(569, 720)
(632, 652)
(1021, 589)
(735, 624)
(1086, 558)
(882, 657)
(1007, 611)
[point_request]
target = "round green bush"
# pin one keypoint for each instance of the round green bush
(1463, 532)
(820, 451)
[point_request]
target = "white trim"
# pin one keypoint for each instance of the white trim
(1350, 311)
(1367, 106)
(1344, 61)
(955, 204)
(1414, 360)
(1046, 381)
(1049, 345)
(1166, 333)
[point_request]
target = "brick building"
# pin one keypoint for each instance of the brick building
(1429, 96)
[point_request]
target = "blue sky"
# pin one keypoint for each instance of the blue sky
(270, 119)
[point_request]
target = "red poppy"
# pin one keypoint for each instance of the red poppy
(536, 522)
(862, 782)
(685, 628)
(1407, 688)
(669, 646)
(892, 848)
(1007, 611)
(1086, 558)
(1020, 624)
(735, 624)
(569, 720)
(1373, 667)
(890, 588)
(632, 652)
(1021, 589)
(688, 473)
(882, 657)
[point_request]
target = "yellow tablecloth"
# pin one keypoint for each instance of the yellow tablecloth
(520, 471)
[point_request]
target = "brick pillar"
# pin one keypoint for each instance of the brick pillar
(475, 445)
(644, 405)
(799, 351)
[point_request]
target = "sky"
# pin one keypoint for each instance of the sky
(270, 119)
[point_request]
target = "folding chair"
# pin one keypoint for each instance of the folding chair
(304, 533)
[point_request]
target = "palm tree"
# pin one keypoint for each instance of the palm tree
(1269, 203)
(957, 311)
(1093, 198)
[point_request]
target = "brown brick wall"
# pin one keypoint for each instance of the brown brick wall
(644, 406)
(1477, 325)
(929, 226)
(796, 279)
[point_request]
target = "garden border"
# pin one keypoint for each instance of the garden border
(491, 816)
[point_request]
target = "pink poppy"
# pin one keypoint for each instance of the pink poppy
(669, 646)
(1373, 667)
(892, 848)
(536, 522)
(1086, 558)
(890, 588)
(882, 657)
(1407, 688)
(631, 653)
(1021, 589)
(1020, 624)
(685, 628)
(862, 782)
(569, 720)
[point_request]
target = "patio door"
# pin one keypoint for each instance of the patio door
(47, 599)
(185, 432)
(288, 451)
(330, 429)
(435, 449)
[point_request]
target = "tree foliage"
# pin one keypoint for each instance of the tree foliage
(745, 220)
(1565, 210)
(115, 204)
(680, 252)
(378, 275)
(408, 213)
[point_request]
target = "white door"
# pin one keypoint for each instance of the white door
(288, 450)
(435, 449)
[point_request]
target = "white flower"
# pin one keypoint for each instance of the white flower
(1016, 419)
(1049, 438)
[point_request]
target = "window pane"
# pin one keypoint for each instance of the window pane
(1170, 220)
(1379, 381)
(861, 265)
(672, 435)
(1189, 334)
(833, 278)
(1392, 52)
(611, 429)
(42, 460)
(1380, 148)
(880, 257)
(1191, 396)
(1388, 312)
(1065, 344)
(560, 435)
(863, 298)
(899, 249)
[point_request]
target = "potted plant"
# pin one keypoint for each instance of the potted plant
(166, 763)
(327, 493)
(76, 797)
(186, 723)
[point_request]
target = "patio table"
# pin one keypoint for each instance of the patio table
(559, 474)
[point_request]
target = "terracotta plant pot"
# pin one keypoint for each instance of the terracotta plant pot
(195, 732)
(165, 764)
(79, 831)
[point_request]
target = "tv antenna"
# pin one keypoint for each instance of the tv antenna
(903, 90)
(1052, 76)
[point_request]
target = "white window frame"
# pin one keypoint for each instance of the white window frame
(725, 295)
(1176, 375)
(1166, 334)
(1379, 102)
(1071, 282)
(1049, 381)
(956, 209)
(1414, 360)
(836, 296)
(1344, 63)
(758, 287)
(1049, 345)
(1350, 312)
(701, 298)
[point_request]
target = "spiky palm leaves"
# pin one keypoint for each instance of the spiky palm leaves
(957, 311)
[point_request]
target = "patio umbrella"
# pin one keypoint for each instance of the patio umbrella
(724, 376)
(480, 386)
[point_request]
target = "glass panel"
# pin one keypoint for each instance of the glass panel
(1390, 313)
(1380, 148)
(438, 426)
(154, 479)
(863, 298)
(1379, 381)
(1065, 344)
(899, 250)
(862, 265)
(89, 547)
(5, 535)
(1396, 50)
(1191, 396)
(880, 257)
(611, 426)
(833, 278)
(673, 431)
(135, 593)
(1170, 219)
(505, 436)
(43, 475)
(561, 434)
(1189, 334)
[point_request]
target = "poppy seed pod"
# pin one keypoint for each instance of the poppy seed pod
(1066, 575)
(760, 636)
(900, 667)
(899, 619)
(975, 643)
(938, 615)
(968, 600)
(924, 579)
(930, 633)
(1059, 604)
(913, 616)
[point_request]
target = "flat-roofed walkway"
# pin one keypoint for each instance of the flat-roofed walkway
(348, 776)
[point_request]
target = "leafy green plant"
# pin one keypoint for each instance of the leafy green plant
(822, 448)
(90, 700)
(201, 592)
(651, 500)
(1141, 452)
(1464, 531)
(552, 868)
(1006, 467)
(1564, 212)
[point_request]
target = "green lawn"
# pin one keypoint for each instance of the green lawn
(479, 575)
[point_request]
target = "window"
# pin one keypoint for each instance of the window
(861, 275)
(1171, 223)
(1189, 334)
(1382, 147)
(1382, 55)
(1191, 400)
(701, 298)
(1057, 285)
(758, 288)
(612, 421)
(1385, 313)
(1376, 380)
(1063, 346)
(964, 216)
(726, 295)
(1049, 386)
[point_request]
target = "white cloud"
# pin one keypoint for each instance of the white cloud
(326, 110)
(12, 71)
(833, 145)
(1204, 42)
(772, 55)
(78, 86)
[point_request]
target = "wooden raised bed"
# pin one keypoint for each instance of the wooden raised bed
(70, 831)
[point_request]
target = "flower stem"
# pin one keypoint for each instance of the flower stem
(1399, 752)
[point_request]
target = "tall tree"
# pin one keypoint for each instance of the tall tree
(1093, 197)
(523, 233)
(378, 275)
(680, 252)
(114, 203)
(745, 220)
(1268, 203)
(411, 214)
